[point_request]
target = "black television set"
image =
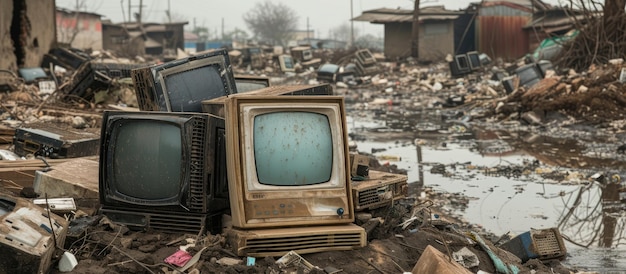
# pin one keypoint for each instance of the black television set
(528, 75)
(247, 83)
(460, 65)
(163, 170)
(473, 58)
(180, 85)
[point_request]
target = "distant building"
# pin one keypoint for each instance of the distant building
(159, 39)
(79, 29)
(436, 34)
(323, 43)
(500, 26)
(122, 41)
(298, 35)
(34, 21)
(191, 42)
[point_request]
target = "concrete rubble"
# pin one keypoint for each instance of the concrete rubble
(413, 234)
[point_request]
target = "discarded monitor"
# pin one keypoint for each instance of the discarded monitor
(460, 65)
(163, 170)
(378, 189)
(247, 83)
(29, 236)
(365, 57)
(528, 75)
(302, 53)
(328, 73)
(288, 166)
(55, 141)
(473, 58)
(181, 85)
(286, 63)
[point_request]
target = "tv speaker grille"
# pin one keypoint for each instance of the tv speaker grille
(277, 242)
(183, 223)
(197, 188)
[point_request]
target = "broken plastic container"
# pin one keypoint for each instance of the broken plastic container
(68, 262)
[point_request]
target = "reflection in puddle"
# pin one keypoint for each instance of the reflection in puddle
(511, 192)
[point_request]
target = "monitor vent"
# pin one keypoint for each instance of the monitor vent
(177, 224)
(280, 245)
(144, 86)
(197, 188)
(166, 221)
(370, 196)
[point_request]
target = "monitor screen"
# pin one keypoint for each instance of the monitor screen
(462, 62)
(293, 148)
(292, 145)
(287, 160)
(474, 59)
(186, 89)
(147, 159)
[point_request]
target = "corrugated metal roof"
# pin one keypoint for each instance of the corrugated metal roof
(528, 5)
(385, 15)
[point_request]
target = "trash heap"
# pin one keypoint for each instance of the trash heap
(412, 234)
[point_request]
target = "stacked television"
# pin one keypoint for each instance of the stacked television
(173, 167)
(164, 167)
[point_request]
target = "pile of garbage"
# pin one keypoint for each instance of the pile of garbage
(413, 234)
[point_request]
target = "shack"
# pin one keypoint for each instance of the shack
(436, 35)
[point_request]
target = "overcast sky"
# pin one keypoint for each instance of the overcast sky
(323, 15)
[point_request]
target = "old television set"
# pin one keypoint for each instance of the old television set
(247, 83)
(163, 170)
(473, 59)
(460, 65)
(288, 161)
(288, 164)
(365, 57)
(528, 74)
(180, 85)
(286, 63)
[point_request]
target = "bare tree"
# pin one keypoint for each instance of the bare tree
(272, 22)
(343, 32)
(601, 34)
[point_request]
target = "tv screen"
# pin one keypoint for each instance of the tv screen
(462, 62)
(187, 88)
(148, 160)
(287, 160)
(292, 148)
(286, 63)
(246, 83)
(474, 60)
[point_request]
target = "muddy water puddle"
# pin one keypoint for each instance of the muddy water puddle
(511, 190)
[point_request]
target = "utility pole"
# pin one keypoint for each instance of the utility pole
(222, 28)
(129, 17)
(415, 33)
(169, 13)
(140, 10)
(308, 39)
(351, 25)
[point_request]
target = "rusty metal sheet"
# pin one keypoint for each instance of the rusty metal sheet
(503, 36)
